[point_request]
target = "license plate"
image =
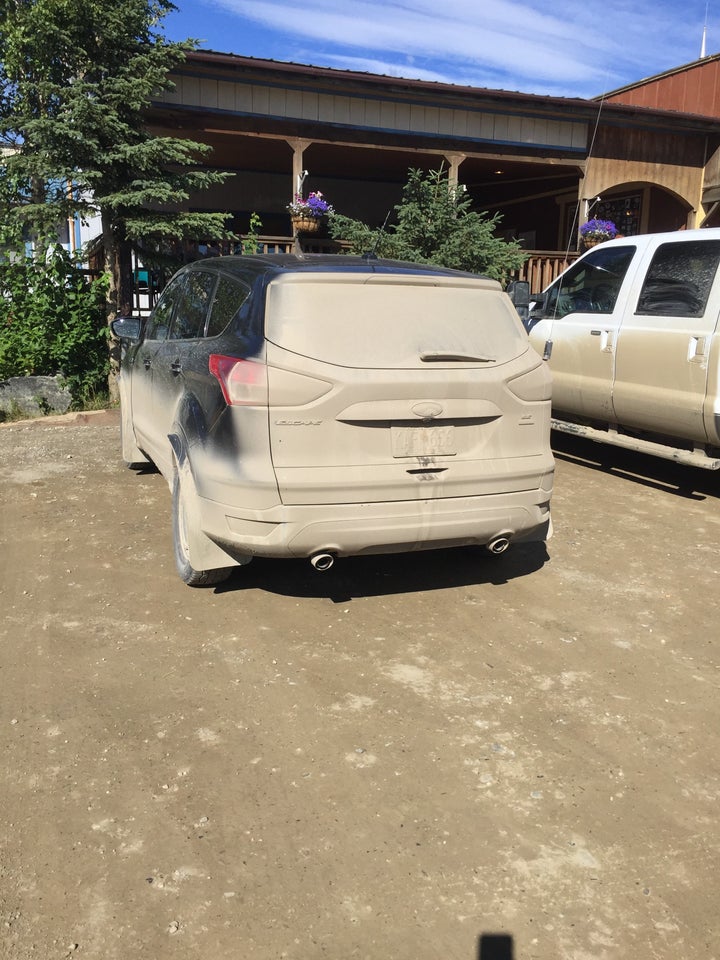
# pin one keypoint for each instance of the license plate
(423, 441)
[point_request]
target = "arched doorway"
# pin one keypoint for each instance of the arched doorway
(638, 206)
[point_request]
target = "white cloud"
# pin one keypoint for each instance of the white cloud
(384, 68)
(513, 44)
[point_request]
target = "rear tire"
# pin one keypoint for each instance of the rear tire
(183, 517)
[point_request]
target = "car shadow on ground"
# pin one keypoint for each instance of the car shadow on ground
(691, 483)
(388, 574)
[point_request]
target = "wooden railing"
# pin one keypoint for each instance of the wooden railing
(308, 244)
(271, 245)
(540, 268)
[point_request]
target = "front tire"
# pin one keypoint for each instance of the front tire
(185, 521)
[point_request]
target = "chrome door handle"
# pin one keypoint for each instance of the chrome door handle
(697, 348)
(607, 341)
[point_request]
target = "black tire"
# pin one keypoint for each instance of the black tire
(188, 574)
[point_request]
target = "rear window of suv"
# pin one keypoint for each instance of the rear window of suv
(388, 321)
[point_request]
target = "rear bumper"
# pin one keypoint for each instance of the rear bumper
(389, 527)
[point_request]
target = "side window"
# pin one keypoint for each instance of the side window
(230, 295)
(192, 305)
(158, 325)
(591, 285)
(679, 279)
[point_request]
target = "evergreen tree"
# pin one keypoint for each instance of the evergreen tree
(75, 77)
(435, 223)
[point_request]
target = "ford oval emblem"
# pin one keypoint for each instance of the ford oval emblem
(427, 409)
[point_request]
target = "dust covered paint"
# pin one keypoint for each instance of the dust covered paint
(630, 333)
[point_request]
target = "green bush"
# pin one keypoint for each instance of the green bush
(52, 320)
(435, 223)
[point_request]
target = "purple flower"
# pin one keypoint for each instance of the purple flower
(598, 230)
(315, 205)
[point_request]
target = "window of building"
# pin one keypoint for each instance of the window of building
(624, 212)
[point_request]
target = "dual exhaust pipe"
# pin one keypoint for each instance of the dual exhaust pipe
(498, 545)
(323, 561)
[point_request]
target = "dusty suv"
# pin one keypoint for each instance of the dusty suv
(328, 406)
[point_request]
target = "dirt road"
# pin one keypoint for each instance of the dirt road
(431, 756)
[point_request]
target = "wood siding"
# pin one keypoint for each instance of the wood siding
(282, 102)
(694, 88)
(648, 146)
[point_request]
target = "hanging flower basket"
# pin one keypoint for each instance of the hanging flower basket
(306, 224)
(596, 231)
(308, 214)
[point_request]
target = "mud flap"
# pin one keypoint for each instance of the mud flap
(132, 455)
(203, 553)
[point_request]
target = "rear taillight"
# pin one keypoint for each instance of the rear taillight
(532, 386)
(243, 382)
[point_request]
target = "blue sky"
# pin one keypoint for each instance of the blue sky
(532, 46)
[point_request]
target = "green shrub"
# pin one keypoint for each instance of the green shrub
(435, 223)
(52, 320)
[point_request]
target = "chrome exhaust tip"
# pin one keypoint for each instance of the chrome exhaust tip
(322, 561)
(498, 545)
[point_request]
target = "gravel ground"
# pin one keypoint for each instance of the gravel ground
(441, 755)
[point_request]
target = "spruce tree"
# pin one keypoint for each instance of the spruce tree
(75, 78)
(435, 223)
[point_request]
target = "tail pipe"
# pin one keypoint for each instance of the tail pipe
(498, 545)
(322, 561)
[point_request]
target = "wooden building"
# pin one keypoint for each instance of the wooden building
(693, 88)
(541, 162)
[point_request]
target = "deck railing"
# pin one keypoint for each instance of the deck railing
(540, 268)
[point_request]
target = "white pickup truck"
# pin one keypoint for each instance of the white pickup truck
(630, 332)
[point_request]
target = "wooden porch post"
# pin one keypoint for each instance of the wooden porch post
(298, 148)
(454, 160)
(298, 175)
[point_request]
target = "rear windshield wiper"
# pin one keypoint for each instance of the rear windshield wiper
(439, 357)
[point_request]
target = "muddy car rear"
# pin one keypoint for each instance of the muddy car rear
(347, 407)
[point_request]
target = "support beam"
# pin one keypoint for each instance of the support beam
(298, 148)
(453, 161)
